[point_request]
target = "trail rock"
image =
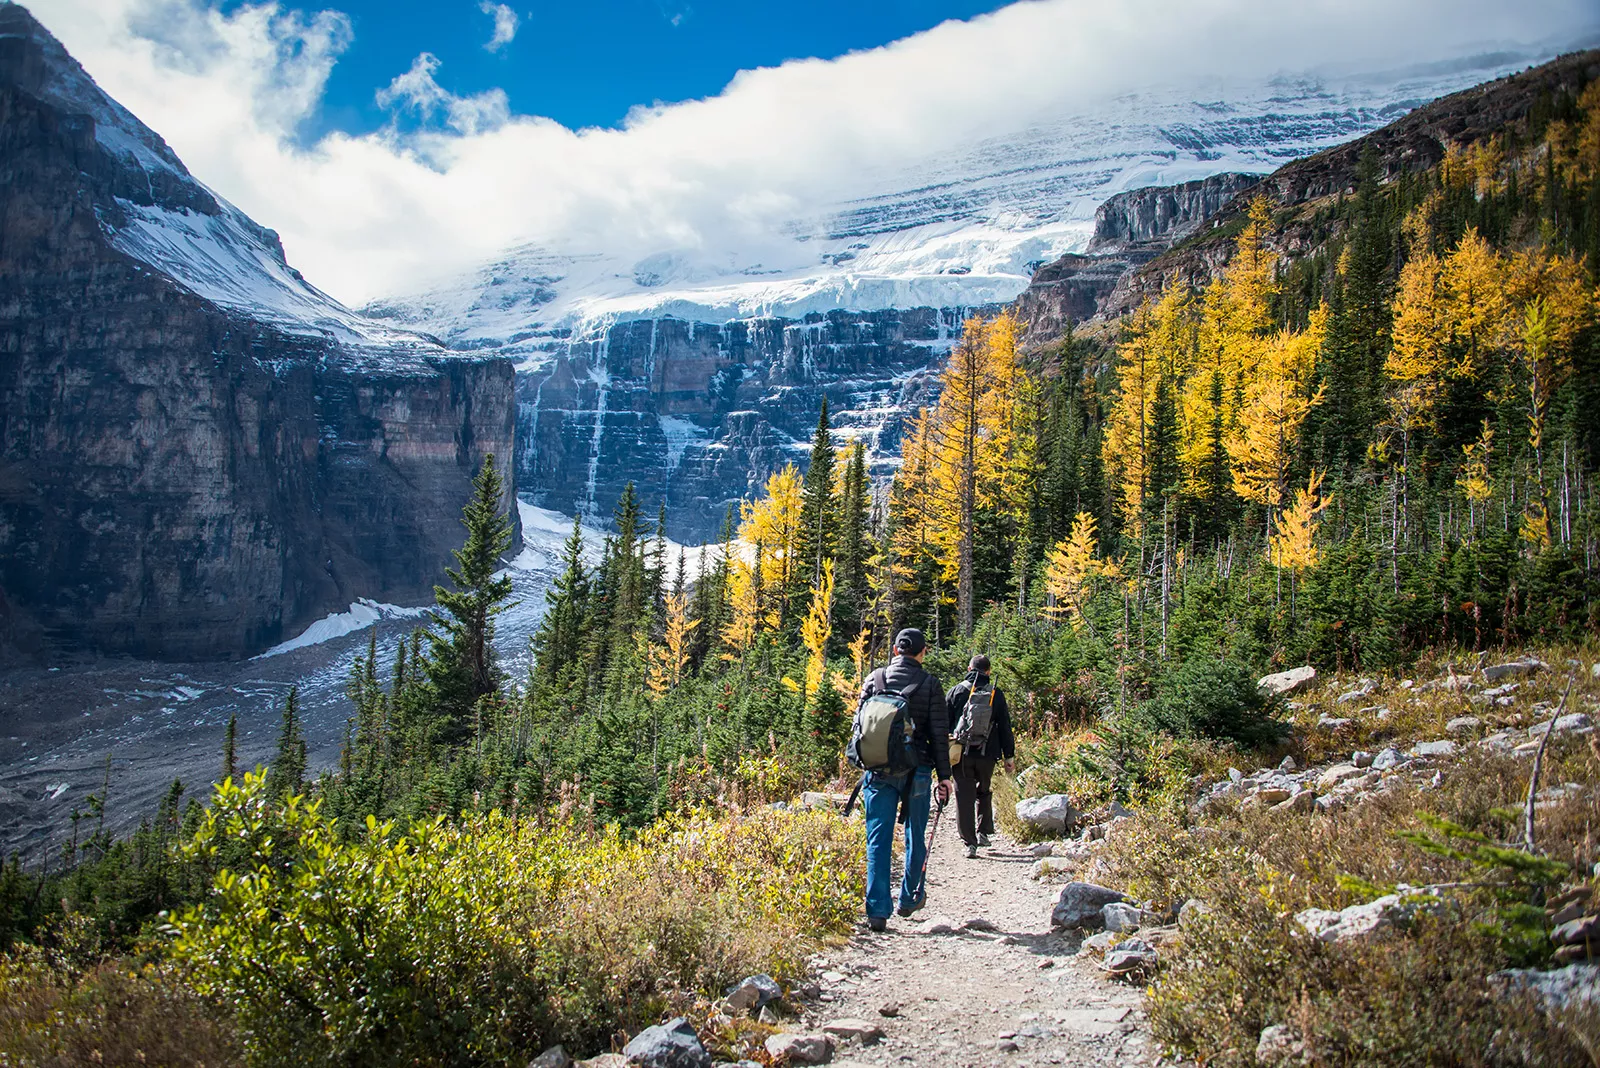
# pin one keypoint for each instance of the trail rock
(939, 925)
(889, 1009)
(1042, 849)
(1283, 683)
(1528, 666)
(849, 1029)
(673, 1044)
(801, 1049)
(1441, 748)
(1053, 813)
(1334, 723)
(1120, 916)
(1080, 904)
(554, 1057)
(1567, 724)
(605, 1060)
(1131, 956)
(1272, 795)
(1362, 759)
(1279, 1045)
(753, 993)
(1463, 725)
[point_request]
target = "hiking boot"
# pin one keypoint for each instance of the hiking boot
(983, 840)
(908, 910)
(877, 923)
(972, 852)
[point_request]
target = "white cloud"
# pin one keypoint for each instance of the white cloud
(505, 24)
(365, 216)
(416, 90)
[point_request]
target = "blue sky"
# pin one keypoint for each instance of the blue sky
(587, 63)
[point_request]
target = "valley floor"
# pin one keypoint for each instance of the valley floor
(980, 978)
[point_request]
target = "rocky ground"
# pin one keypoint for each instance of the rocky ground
(979, 977)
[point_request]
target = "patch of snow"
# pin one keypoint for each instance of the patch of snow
(55, 790)
(362, 614)
(680, 434)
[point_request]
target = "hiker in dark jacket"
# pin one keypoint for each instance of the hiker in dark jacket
(883, 795)
(974, 802)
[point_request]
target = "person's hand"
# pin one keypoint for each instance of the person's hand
(945, 789)
(1011, 767)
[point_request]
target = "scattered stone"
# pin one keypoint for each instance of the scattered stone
(605, 1060)
(1594, 672)
(1528, 666)
(1334, 724)
(1191, 911)
(1570, 723)
(1288, 764)
(1120, 916)
(1283, 683)
(1079, 906)
(754, 992)
(1564, 988)
(554, 1057)
(1383, 715)
(1272, 795)
(1580, 931)
(1361, 758)
(1006, 1045)
(889, 1009)
(1463, 725)
(1042, 849)
(939, 925)
(1328, 804)
(1045, 964)
(849, 1029)
(1304, 802)
(767, 1016)
(1498, 692)
(1441, 748)
(1387, 758)
(980, 923)
(791, 1048)
(1053, 813)
(1279, 1045)
(1336, 775)
(1236, 776)
(1368, 921)
(670, 1045)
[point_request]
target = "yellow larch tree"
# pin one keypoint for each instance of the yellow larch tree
(1277, 402)
(666, 660)
(1071, 568)
(816, 629)
(1292, 547)
(770, 527)
(1475, 478)
(1476, 304)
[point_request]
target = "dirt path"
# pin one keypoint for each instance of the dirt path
(1006, 991)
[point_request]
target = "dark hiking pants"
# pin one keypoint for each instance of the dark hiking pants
(974, 802)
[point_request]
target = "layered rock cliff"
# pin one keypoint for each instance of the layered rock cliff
(697, 415)
(199, 452)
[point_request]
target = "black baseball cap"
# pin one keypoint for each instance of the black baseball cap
(910, 641)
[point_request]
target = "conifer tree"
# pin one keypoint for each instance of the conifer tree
(462, 666)
(816, 535)
(287, 773)
(230, 763)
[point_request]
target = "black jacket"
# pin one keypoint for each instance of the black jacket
(1001, 743)
(925, 704)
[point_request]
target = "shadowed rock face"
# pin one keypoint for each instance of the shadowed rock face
(182, 477)
(699, 415)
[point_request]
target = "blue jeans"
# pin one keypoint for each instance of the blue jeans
(880, 798)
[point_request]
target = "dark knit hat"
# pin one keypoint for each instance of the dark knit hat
(910, 642)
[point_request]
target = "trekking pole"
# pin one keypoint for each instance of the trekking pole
(933, 833)
(850, 805)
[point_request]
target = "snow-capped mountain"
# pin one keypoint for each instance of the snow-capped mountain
(965, 227)
(695, 372)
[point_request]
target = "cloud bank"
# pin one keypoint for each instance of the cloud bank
(378, 214)
(505, 25)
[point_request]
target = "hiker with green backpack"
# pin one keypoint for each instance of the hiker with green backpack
(899, 737)
(981, 736)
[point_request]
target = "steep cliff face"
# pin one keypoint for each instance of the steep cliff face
(199, 452)
(697, 415)
(1130, 230)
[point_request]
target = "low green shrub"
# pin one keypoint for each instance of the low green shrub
(480, 941)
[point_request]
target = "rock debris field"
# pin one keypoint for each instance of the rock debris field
(979, 977)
